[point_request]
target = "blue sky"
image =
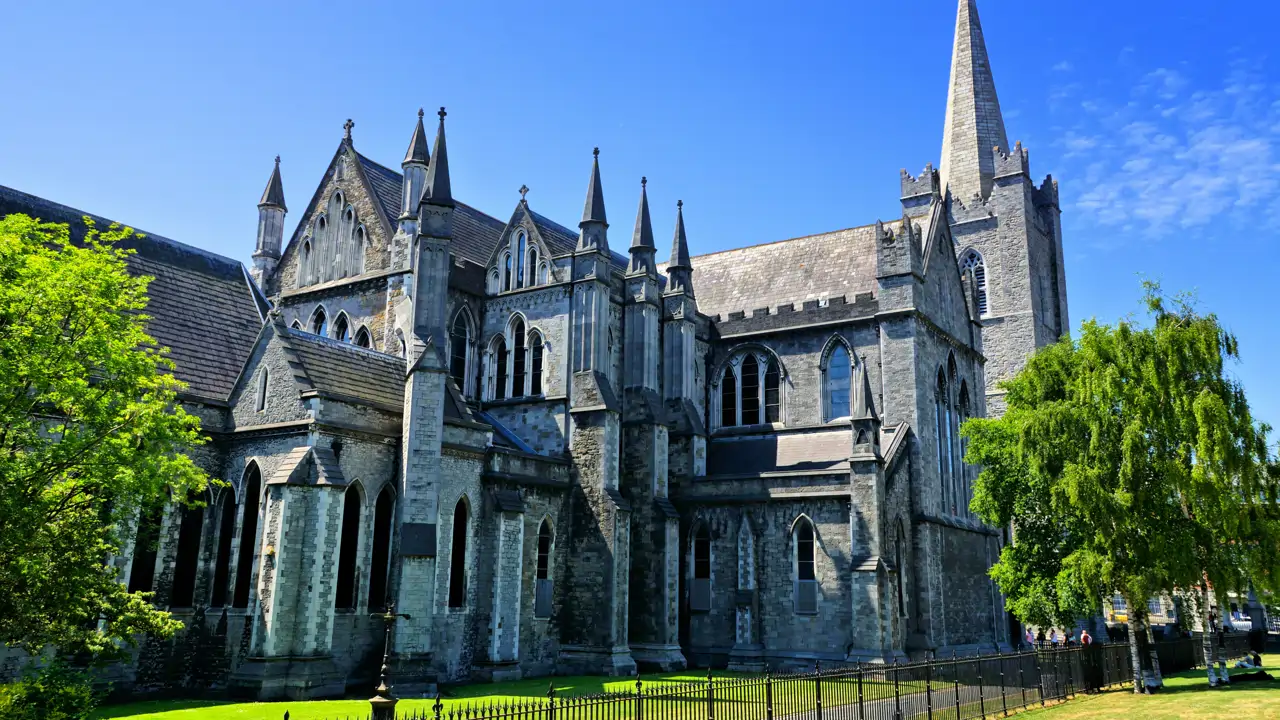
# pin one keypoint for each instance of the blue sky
(1160, 120)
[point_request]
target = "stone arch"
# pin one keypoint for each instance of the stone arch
(318, 324)
(544, 552)
(384, 512)
(756, 400)
(973, 264)
(460, 552)
(346, 592)
(364, 338)
(342, 327)
(252, 489)
(461, 339)
(837, 380)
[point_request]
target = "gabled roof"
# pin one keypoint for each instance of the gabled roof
(198, 300)
(347, 372)
(806, 452)
(816, 267)
(308, 465)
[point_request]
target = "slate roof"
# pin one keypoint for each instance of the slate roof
(199, 300)
(348, 371)
(816, 267)
(308, 465)
(751, 454)
(475, 234)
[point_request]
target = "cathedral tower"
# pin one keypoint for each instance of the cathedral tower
(1006, 230)
(271, 211)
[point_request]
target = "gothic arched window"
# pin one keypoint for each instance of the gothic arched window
(519, 358)
(345, 597)
(187, 560)
(458, 557)
(363, 338)
(304, 264)
(261, 401)
(506, 271)
(252, 488)
(750, 391)
(728, 397)
(222, 562)
(536, 350)
(142, 570)
(521, 247)
(900, 560)
(459, 350)
(319, 323)
(342, 328)
(542, 578)
(977, 268)
(772, 391)
(532, 264)
(942, 427)
(380, 560)
(544, 274)
(806, 568)
(499, 377)
(964, 479)
(700, 592)
(837, 383)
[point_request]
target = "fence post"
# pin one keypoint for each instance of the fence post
(1022, 679)
(1039, 676)
(817, 686)
(928, 686)
(1004, 704)
(551, 702)
(639, 700)
(955, 681)
(860, 710)
(982, 699)
(897, 706)
(711, 697)
(768, 693)
(437, 706)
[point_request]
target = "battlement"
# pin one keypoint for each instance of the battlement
(1015, 162)
(1047, 193)
(925, 185)
(975, 209)
(788, 316)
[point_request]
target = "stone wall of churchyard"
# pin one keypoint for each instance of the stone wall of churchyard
(789, 638)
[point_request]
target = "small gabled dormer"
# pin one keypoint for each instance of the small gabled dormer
(521, 259)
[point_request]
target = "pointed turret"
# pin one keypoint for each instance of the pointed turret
(866, 424)
(273, 195)
(864, 406)
(642, 247)
(438, 190)
(271, 212)
(416, 162)
(679, 268)
(594, 225)
(974, 125)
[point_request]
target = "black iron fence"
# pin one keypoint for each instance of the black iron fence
(956, 688)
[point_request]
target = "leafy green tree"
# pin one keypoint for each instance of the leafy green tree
(1127, 462)
(90, 433)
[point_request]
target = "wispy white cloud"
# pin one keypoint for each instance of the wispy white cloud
(1170, 157)
(1064, 66)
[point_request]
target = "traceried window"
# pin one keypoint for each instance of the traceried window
(837, 383)
(319, 323)
(458, 557)
(700, 591)
(542, 578)
(751, 390)
(805, 561)
(459, 350)
(363, 338)
(977, 268)
(536, 350)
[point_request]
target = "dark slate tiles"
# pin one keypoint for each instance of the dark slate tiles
(751, 454)
(342, 369)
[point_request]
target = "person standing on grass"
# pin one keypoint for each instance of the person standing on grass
(1085, 638)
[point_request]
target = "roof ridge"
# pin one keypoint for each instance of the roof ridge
(98, 219)
(340, 345)
(786, 240)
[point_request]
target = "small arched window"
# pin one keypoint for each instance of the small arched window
(806, 575)
(380, 558)
(700, 591)
(458, 557)
(532, 265)
(222, 562)
(520, 258)
(542, 584)
(261, 402)
(142, 570)
(400, 341)
(499, 391)
(252, 488)
(342, 329)
(544, 274)
(536, 349)
(345, 597)
(363, 338)
(772, 392)
(319, 323)
(506, 271)
(942, 429)
(837, 381)
(963, 480)
(187, 560)
(357, 262)
(519, 358)
(750, 391)
(295, 325)
(304, 264)
(728, 397)
(900, 561)
(976, 267)
(459, 350)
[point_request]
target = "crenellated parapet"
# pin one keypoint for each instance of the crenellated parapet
(1013, 163)
(1047, 194)
(925, 185)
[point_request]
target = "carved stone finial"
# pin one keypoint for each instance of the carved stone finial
(420, 113)
(277, 160)
(679, 203)
(346, 129)
(442, 113)
(524, 190)
(595, 152)
(644, 181)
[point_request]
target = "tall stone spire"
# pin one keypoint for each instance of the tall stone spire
(679, 267)
(642, 247)
(438, 191)
(274, 193)
(594, 224)
(974, 125)
(271, 211)
(417, 152)
(416, 162)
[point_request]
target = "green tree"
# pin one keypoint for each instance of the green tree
(1127, 462)
(90, 433)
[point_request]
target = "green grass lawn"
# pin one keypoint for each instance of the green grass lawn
(1185, 695)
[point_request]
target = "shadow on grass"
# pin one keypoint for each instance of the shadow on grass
(126, 709)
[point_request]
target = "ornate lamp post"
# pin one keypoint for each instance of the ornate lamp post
(383, 702)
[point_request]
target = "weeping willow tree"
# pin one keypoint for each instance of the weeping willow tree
(1128, 463)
